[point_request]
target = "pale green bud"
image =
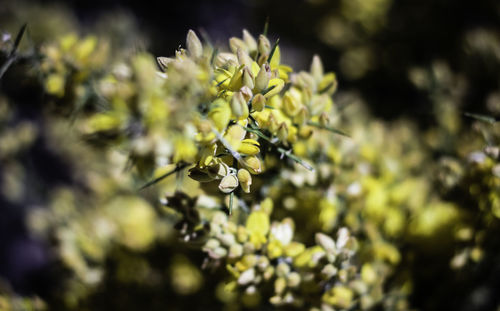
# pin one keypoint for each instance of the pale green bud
(259, 102)
(263, 77)
(237, 43)
(302, 116)
(249, 41)
(247, 93)
(264, 45)
(293, 279)
(239, 106)
(326, 242)
(279, 285)
(194, 46)
(244, 58)
(317, 69)
(248, 79)
(324, 119)
(228, 184)
(226, 58)
(283, 132)
(282, 269)
(235, 251)
(163, 62)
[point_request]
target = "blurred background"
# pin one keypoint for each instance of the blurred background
(391, 55)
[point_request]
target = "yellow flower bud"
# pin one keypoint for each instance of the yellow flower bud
(279, 285)
(239, 106)
(253, 165)
(272, 123)
(328, 84)
(236, 81)
(263, 77)
(264, 45)
(249, 41)
(228, 184)
(259, 102)
(220, 113)
(55, 84)
(302, 116)
(194, 45)
(245, 179)
(291, 104)
(305, 132)
(249, 147)
(283, 132)
(320, 104)
(248, 79)
(278, 86)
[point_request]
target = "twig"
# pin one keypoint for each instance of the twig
(178, 168)
(12, 55)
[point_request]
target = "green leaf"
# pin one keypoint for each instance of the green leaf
(331, 129)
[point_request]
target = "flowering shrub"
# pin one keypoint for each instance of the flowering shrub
(221, 174)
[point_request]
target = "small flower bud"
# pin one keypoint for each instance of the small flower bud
(226, 58)
(253, 165)
(248, 79)
(302, 116)
(194, 45)
(259, 102)
(228, 183)
(163, 62)
(235, 251)
(291, 104)
(326, 242)
(245, 179)
(278, 86)
(249, 147)
(293, 279)
(237, 43)
(247, 93)
(249, 41)
(246, 277)
(263, 77)
(317, 69)
(264, 45)
(283, 132)
(220, 113)
(273, 124)
(239, 106)
(244, 58)
(324, 119)
(279, 285)
(305, 132)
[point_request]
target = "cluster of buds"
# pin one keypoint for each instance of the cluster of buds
(261, 252)
(68, 64)
(249, 109)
